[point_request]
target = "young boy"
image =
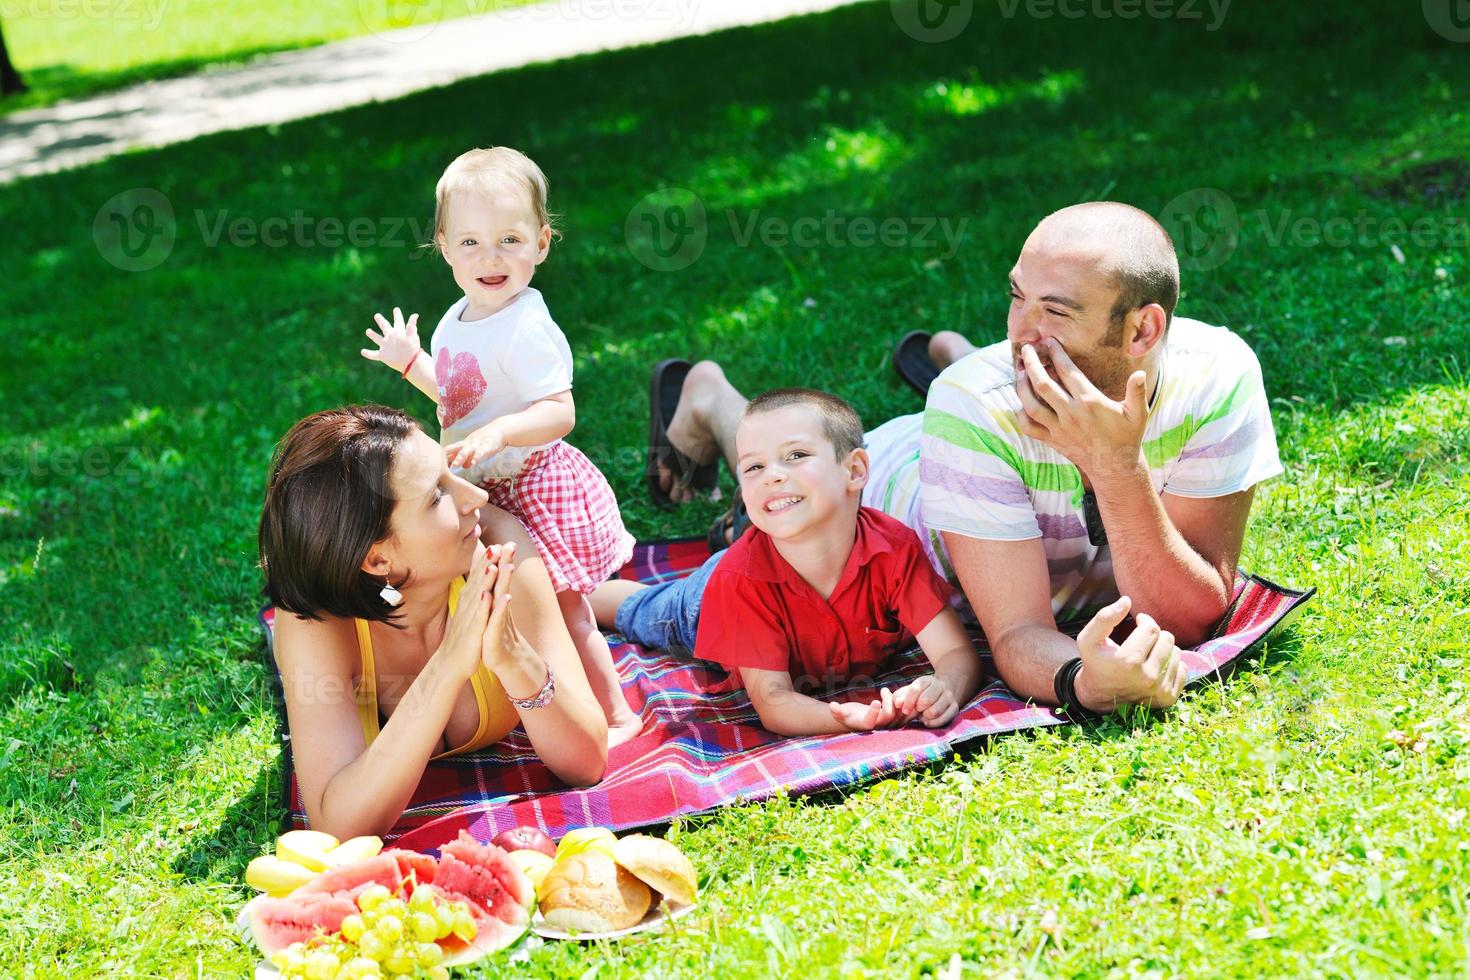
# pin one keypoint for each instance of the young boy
(818, 593)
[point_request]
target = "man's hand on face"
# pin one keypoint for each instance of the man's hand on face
(1076, 419)
(1146, 668)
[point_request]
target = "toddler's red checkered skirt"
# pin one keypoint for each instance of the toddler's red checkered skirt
(569, 510)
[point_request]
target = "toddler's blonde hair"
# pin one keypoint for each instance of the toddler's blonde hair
(485, 170)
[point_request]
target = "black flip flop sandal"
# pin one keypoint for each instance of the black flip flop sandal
(664, 387)
(911, 361)
(732, 522)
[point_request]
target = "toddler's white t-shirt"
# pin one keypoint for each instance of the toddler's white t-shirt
(496, 366)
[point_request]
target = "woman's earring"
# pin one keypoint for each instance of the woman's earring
(390, 595)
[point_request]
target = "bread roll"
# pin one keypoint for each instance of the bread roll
(659, 864)
(590, 892)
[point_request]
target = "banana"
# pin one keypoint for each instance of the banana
(306, 847)
(276, 877)
(356, 849)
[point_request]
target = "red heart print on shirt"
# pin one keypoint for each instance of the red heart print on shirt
(460, 385)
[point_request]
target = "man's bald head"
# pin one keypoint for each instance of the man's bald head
(1129, 247)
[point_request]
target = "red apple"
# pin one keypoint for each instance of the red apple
(525, 839)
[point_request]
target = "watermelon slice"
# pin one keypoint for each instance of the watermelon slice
(413, 868)
(498, 892)
(499, 895)
(353, 879)
(279, 922)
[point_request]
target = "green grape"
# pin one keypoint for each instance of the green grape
(279, 959)
(370, 917)
(440, 972)
(445, 916)
(464, 926)
(400, 962)
(429, 954)
(422, 899)
(372, 897)
(390, 927)
(359, 967)
(322, 965)
(373, 946)
(393, 906)
(423, 927)
(353, 927)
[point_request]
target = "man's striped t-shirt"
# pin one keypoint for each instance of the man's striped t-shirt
(963, 465)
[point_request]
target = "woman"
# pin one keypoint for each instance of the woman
(396, 643)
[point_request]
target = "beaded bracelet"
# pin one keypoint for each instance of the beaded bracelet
(538, 700)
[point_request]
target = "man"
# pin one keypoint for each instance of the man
(1100, 461)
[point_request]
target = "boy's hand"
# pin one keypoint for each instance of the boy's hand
(930, 698)
(480, 445)
(398, 344)
(881, 713)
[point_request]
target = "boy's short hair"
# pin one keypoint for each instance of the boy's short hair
(841, 424)
(485, 170)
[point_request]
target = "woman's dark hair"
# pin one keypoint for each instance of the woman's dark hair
(328, 502)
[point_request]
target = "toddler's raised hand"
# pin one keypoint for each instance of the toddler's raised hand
(398, 344)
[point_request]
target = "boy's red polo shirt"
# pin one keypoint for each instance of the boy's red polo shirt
(757, 612)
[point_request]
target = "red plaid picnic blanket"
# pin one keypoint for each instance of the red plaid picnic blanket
(699, 751)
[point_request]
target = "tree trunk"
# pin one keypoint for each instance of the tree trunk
(10, 80)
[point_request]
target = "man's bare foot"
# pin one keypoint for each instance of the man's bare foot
(946, 347)
(704, 422)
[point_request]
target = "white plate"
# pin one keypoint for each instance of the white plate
(654, 917)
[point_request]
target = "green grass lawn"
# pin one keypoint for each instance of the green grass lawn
(69, 48)
(1307, 818)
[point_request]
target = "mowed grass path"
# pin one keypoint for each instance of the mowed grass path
(1308, 817)
(69, 48)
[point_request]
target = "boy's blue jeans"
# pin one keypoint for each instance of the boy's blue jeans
(666, 616)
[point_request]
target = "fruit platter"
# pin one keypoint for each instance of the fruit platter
(331, 909)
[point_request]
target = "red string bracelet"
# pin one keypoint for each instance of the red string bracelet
(410, 363)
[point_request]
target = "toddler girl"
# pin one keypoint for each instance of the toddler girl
(500, 371)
